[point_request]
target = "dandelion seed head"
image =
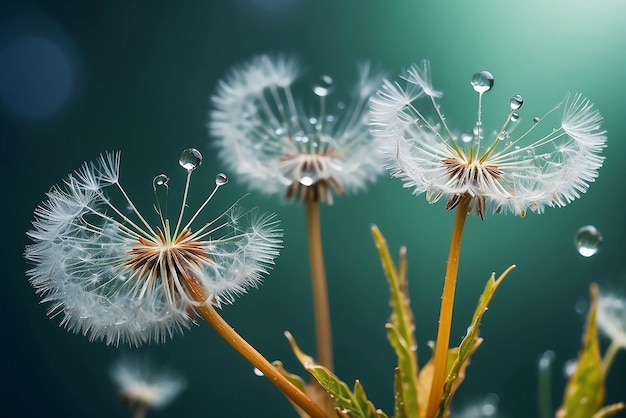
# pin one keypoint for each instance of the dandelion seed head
(549, 164)
(113, 276)
(271, 141)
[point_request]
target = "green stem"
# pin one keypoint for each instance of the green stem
(320, 292)
(445, 314)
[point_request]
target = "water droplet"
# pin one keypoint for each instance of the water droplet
(280, 131)
(190, 159)
(312, 120)
(221, 179)
(516, 102)
(514, 117)
(258, 372)
(536, 119)
(341, 105)
(569, 367)
(482, 81)
(160, 181)
(478, 131)
(306, 180)
(465, 137)
(588, 240)
(546, 359)
(581, 306)
(324, 86)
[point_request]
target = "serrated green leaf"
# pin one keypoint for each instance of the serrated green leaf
(610, 410)
(584, 393)
(470, 342)
(354, 403)
(401, 327)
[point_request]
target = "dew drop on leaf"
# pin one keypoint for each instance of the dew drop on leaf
(588, 240)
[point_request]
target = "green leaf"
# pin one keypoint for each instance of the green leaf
(470, 342)
(400, 329)
(348, 403)
(584, 393)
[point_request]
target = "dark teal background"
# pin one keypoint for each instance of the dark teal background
(142, 75)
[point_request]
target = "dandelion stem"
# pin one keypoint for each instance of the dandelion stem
(210, 315)
(609, 356)
(445, 314)
(320, 292)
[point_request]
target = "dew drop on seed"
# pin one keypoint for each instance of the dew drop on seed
(190, 159)
(536, 119)
(306, 180)
(324, 86)
(516, 102)
(160, 181)
(482, 81)
(514, 117)
(588, 240)
(221, 179)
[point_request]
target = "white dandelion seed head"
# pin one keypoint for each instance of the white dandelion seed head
(271, 142)
(551, 163)
(139, 384)
(115, 277)
(611, 317)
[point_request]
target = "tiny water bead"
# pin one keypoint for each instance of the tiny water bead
(516, 102)
(588, 240)
(514, 117)
(324, 86)
(190, 159)
(482, 81)
(221, 179)
(160, 181)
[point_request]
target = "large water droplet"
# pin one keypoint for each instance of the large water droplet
(482, 81)
(516, 102)
(324, 86)
(221, 179)
(160, 181)
(465, 137)
(588, 240)
(190, 159)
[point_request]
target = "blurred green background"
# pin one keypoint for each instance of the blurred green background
(81, 77)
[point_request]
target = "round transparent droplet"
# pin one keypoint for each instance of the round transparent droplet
(465, 137)
(258, 372)
(190, 159)
(546, 359)
(569, 367)
(489, 407)
(516, 102)
(536, 119)
(160, 181)
(306, 180)
(514, 117)
(581, 306)
(482, 81)
(588, 240)
(221, 179)
(324, 86)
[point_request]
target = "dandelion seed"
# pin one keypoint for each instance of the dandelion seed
(267, 138)
(142, 388)
(115, 277)
(505, 173)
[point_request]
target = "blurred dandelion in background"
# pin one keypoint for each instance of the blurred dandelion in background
(611, 322)
(114, 277)
(142, 387)
(273, 143)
